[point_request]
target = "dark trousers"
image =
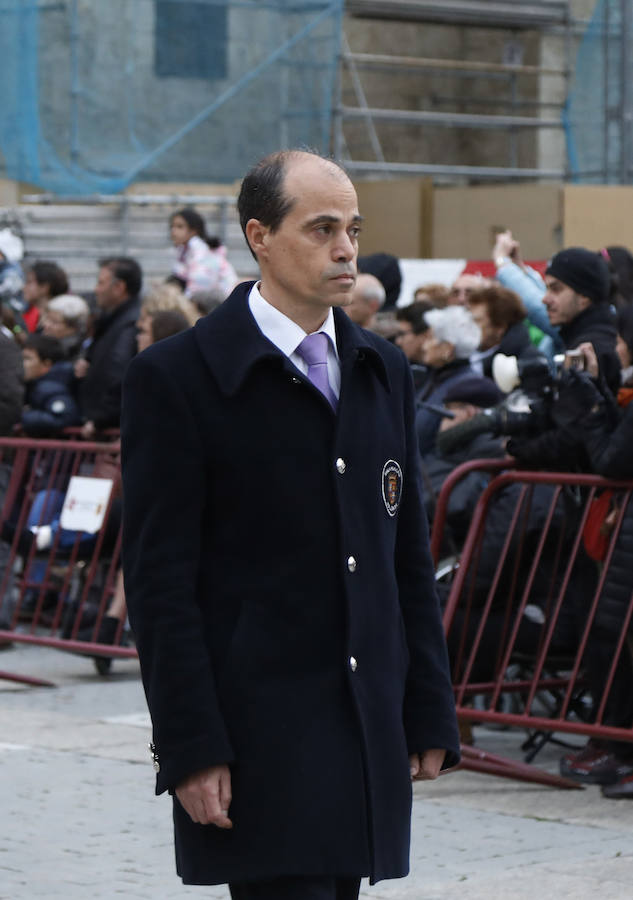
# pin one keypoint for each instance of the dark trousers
(297, 888)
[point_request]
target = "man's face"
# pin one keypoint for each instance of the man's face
(309, 263)
(462, 289)
(34, 367)
(33, 291)
(409, 342)
(109, 291)
(490, 334)
(563, 304)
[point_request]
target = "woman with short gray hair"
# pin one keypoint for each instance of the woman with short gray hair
(66, 318)
(452, 336)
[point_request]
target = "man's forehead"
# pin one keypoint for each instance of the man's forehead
(309, 177)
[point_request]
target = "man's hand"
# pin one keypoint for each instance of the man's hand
(206, 796)
(507, 247)
(426, 766)
(591, 360)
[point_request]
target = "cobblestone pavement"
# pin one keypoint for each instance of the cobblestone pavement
(79, 820)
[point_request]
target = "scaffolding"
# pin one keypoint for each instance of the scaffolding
(98, 95)
(511, 112)
(599, 109)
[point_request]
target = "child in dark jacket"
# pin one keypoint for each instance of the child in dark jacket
(49, 404)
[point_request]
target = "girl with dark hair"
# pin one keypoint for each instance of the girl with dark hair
(201, 263)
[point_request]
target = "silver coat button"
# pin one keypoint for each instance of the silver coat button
(296, 380)
(341, 465)
(352, 663)
(351, 564)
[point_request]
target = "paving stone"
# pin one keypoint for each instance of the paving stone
(79, 819)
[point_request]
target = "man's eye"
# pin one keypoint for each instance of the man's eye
(355, 231)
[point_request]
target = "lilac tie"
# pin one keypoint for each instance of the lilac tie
(313, 350)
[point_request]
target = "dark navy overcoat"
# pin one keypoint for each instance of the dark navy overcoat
(281, 593)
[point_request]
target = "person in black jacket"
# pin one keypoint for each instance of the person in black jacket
(113, 345)
(277, 570)
(50, 404)
(11, 382)
(578, 289)
(607, 439)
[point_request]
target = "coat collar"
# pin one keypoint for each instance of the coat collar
(232, 344)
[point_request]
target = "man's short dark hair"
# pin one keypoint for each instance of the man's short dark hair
(125, 269)
(504, 307)
(49, 273)
(414, 315)
(262, 194)
(46, 347)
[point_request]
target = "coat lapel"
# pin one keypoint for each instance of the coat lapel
(231, 343)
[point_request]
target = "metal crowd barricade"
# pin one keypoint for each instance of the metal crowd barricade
(58, 596)
(522, 615)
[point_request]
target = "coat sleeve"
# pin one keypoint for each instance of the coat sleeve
(58, 411)
(429, 709)
(609, 449)
(106, 413)
(11, 384)
(164, 504)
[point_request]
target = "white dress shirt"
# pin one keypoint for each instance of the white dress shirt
(287, 335)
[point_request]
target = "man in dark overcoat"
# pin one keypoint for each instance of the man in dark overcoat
(277, 569)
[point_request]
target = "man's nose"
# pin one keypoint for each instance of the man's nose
(345, 247)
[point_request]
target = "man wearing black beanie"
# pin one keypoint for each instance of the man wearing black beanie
(577, 301)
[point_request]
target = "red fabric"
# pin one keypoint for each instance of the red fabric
(31, 318)
(596, 533)
(487, 268)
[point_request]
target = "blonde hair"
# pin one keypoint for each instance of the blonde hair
(166, 297)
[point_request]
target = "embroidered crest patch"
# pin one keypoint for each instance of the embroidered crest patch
(391, 486)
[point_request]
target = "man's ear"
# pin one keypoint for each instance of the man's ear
(585, 302)
(256, 234)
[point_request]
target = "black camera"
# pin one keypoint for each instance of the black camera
(525, 412)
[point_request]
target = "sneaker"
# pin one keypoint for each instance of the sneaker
(621, 790)
(592, 748)
(602, 768)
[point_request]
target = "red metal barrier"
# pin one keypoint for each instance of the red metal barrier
(523, 615)
(57, 593)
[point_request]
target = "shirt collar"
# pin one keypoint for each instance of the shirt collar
(279, 329)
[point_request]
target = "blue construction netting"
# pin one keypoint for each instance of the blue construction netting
(97, 95)
(593, 118)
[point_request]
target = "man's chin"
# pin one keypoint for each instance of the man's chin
(343, 295)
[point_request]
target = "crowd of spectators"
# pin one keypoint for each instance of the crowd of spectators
(63, 358)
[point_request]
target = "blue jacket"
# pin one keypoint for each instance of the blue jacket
(50, 404)
(530, 287)
(281, 592)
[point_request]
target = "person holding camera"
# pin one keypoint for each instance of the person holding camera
(606, 437)
(578, 286)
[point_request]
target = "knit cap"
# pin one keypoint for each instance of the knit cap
(583, 271)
